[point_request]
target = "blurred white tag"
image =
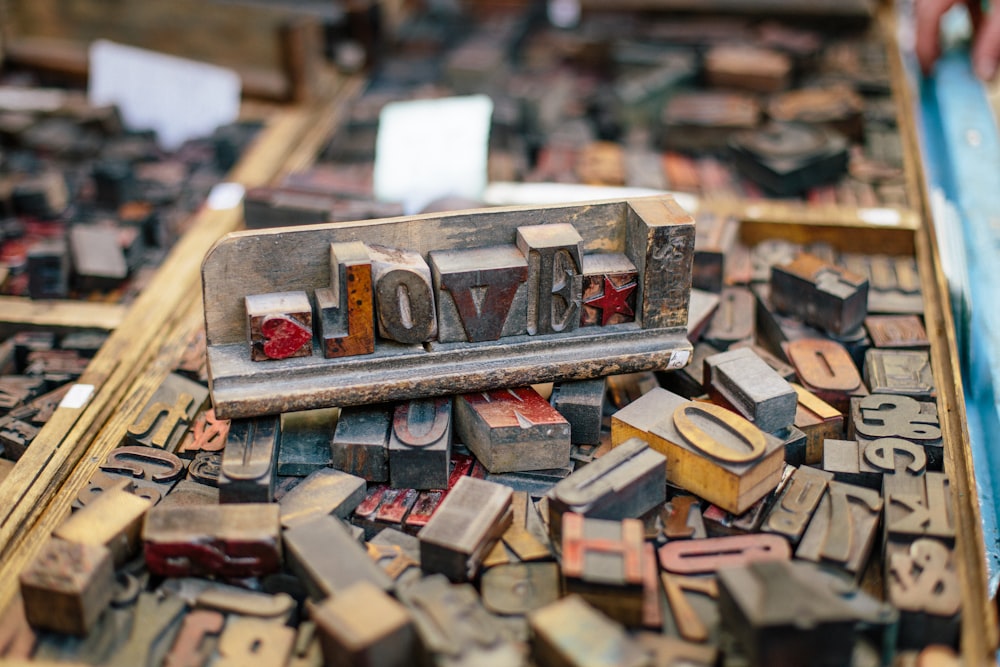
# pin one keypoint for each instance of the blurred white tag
(427, 149)
(225, 195)
(180, 99)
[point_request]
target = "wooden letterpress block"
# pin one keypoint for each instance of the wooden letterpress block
(326, 491)
(153, 471)
(922, 582)
(581, 403)
(865, 463)
(199, 632)
(16, 436)
(207, 434)
(900, 372)
(404, 295)
(609, 290)
(602, 561)
(826, 370)
(720, 523)
(265, 207)
(481, 293)
(818, 420)
(363, 625)
(715, 238)
(305, 441)
(384, 508)
(113, 519)
(420, 444)
(516, 589)
(571, 633)
(165, 419)
(311, 543)
(715, 553)
(638, 417)
(689, 381)
(279, 325)
(887, 416)
(822, 294)
(694, 612)
(748, 67)
(897, 331)
(917, 507)
(660, 242)
(716, 454)
(345, 308)
(242, 540)
(98, 259)
(701, 309)
(48, 270)
(16, 390)
(784, 613)
(733, 320)
(753, 388)
(361, 442)
(842, 529)
(249, 461)
(681, 519)
(453, 624)
(788, 159)
(527, 536)
(625, 483)
(155, 614)
(790, 515)
(838, 108)
(188, 492)
(465, 527)
(205, 468)
(67, 586)
(512, 429)
(555, 281)
(397, 553)
(704, 120)
(254, 641)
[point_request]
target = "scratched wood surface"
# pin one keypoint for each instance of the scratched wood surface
(36, 496)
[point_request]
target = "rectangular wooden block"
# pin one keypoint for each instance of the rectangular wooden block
(818, 420)
(326, 491)
(113, 519)
(279, 325)
(609, 286)
(733, 321)
(363, 625)
(581, 403)
(822, 294)
(473, 516)
(346, 324)
(360, 443)
(790, 514)
(570, 633)
(900, 372)
(888, 416)
(512, 430)
(168, 414)
(753, 388)
(922, 582)
(917, 507)
(305, 441)
(250, 461)
(420, 444)
(826, 369)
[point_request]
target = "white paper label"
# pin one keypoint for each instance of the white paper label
(77, 396)
(225, 196)
(678, 359)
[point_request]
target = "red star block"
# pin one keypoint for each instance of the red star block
(613, 300)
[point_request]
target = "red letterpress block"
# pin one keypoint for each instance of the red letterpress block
(279, 325)
(609, 290)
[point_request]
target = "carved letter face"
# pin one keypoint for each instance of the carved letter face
(555, 284)
(610, 284)
(403, 295)
(279, 325)
(346, 319)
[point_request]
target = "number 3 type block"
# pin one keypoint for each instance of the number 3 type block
(279, 325)
(511, 430)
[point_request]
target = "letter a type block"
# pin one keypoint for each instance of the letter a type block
(481, 293)
(511, 430)
(345, 308)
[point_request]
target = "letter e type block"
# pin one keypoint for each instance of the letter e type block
(555, 279)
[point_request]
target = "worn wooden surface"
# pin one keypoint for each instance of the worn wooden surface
(36, 496)
(18, 313)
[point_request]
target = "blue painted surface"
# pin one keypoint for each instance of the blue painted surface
(961, 149)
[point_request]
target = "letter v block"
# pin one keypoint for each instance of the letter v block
(511, 430)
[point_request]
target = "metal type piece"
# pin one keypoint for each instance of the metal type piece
(826, 369)
(900, 372)
(113, 519)
(609, 286)
(67, 586)
(752, 387)
(361, 442)
(465, 527)
(625, 483)
(824, 295)
(279, 325)
(238, 540)
(481, 293)
(404, 295)
(345, 309)
(310, 544)
(420, 444)
(715, 553)
(250, 461)
(842, 530)
(166, 417)
(326, 491)
(917, 507)
(571, 633)
(581, 403)
(922, 581)
(363, 625)
(555, 280)
(512, 430)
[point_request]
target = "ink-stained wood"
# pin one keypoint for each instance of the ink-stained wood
(900, 372)
(250, 461)
(842, 530)
(279, 325)
(360, 443)
(67, 586)
(345, 315)
(305, 441)
(363, 625)
(276, 56)
(625, 483)
(240, 540)
(512, 430)
(309, 545)
(404, 295)
(113, 519)
(819, 421)
(326, 491)
(753, 389)
(917, 507)
(608, 294)
(655, 234)
(571, 633)
(194, 641)
(681, 519)
(472, 518)
(889, 416)
(787, 159)
(581, 403)
(897, 332)
(794, 507)
(921, 580)
(207, 434)
(826, 369)
(822, 294)
(420, 444)
(166, 417)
